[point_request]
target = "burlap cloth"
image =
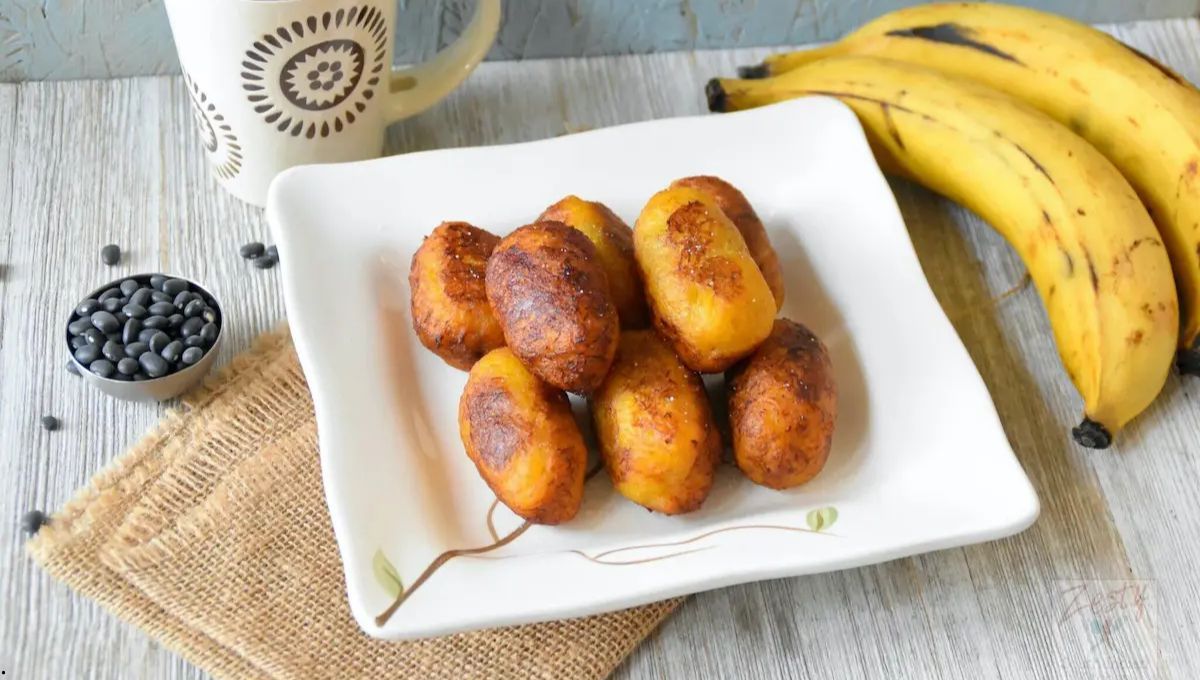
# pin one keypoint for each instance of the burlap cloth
(212, 536)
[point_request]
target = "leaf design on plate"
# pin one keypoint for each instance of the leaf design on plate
(386, 574)
(821, 518)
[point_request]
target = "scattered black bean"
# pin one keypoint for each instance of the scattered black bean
(78, 341)
(265, 261)
(49, 423)
(102, 368)
(273, 251)
(162, 309)
(78, 326)
(154, 365)
(156, 281)
(113, 351)
(141, 298)
(146, 334)
(135, 311)
(158, 341)
(191, 355)
(172, 351)
(209, 315)
(194, 308)
(251, 250)
(155, 322)
(129, 287)
(174, 286)
(111, 305)
(127, 366)
(110, 293)
(72, 368)
(209, 333)
(175, 321)
(110, 254)
(159, 296)
(33, 521)
(193, 341)
(88, 306)
(136, 349)
(94, 337)
(105, 322)
(191, 327)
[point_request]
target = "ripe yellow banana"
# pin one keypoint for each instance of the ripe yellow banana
(1089, 244)
(1142, 116)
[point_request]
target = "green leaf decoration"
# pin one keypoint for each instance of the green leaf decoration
(821, 518)
(386, 574)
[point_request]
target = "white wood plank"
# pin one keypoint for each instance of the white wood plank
(117, 160)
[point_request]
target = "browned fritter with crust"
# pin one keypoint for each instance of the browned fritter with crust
(524, 442)
(550, 294)
(783, 408)
(613, 240)
(450, 311)
(735, 206)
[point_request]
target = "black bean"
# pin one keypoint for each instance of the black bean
(265, 261)
(129, 287)
(193, 341)
(94, 337)
(113, 351)
(136, 349)
(49, 423)
(209, 314)
(124, 300)
(110, 293)
(113, 337)
(191, 327)
(87, 307)
(175, 321)
(172, 351)
(155, 322)
(251, 250)
(191, 355)
(174, 286)
(87, 354)
(102, 368)
(33, 521)
(110, 254)
(127, 366)
(209, 333)
(156, 281)
(159, 296)
(105, 322)
(134, 311)
(158, 341)
(182, 299)
(153, 365)
(111, 305)
(72, 368)
(146, 334)
(141, 297)
(78, 341)
(162, 309)
(194, 308)
(80, 325)
(273, 251)
(121, 317)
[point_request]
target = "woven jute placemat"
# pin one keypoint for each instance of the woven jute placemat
(211, 535)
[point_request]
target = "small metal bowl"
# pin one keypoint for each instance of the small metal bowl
(151, 389)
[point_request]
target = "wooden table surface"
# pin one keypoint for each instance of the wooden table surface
(1105, 584)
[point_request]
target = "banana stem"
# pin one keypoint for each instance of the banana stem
(731, 94)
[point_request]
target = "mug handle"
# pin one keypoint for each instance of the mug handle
(415, 88)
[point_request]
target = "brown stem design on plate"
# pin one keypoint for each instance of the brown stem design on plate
(491, 526)
(599, 558)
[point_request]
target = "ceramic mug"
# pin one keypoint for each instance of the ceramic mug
(277, 83)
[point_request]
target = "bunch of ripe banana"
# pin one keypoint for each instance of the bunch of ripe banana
(990, 105)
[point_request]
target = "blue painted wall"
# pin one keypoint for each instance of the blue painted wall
(58, 39)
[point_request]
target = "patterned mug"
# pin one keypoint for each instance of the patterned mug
(277, 83)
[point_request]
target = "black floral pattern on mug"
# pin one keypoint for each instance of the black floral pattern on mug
(315, 77)
(220, 143)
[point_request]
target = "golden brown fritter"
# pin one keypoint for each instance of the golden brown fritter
(521, 435)
(783, 408)
(706, 294)
(550, 294)
(450, 311)
(735, 206)
(613, 240)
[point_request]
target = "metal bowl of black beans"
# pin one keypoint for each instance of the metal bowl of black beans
(145, 337)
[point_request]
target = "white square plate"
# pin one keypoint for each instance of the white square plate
(919, 460)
